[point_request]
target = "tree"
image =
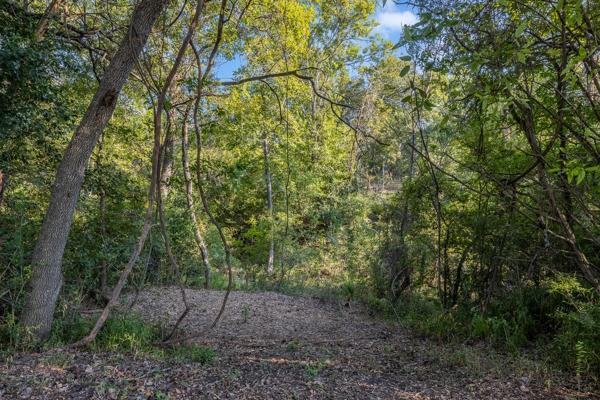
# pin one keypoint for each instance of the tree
(47, 256)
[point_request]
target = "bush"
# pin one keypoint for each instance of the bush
(562, 315)
(427, 316)
(69, 328)
(516, 318)
(12, 335)
(127, 334)
(577, 342)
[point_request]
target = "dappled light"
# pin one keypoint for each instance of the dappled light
(273, 199)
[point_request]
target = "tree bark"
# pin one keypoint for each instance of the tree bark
(187, 176)
(42, 26)
(47, 255)
(265, 146)
(166, 164)
(154, 182)
(3, 182)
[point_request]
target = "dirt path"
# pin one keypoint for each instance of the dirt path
(272, 346)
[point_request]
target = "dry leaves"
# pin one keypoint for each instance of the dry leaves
(272, 346)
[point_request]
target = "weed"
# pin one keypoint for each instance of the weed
(159, 395)
(233, 374)
(294, 345)
(313, 369)
(192, 352)
(59, 359)
(127, 334)
(246, 313)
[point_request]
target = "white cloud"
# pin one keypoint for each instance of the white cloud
(393, 18)
(394, 21)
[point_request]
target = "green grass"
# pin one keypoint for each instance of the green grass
(192, 353)
(122, 334)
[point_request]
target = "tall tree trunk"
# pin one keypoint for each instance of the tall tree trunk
(187, 176)
(265, 146)
(166, 165)
(154, 181)
(47, 255)
(3, 181)
(104, 293)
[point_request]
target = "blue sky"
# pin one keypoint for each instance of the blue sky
(392, 18)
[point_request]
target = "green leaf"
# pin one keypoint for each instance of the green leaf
(521, 28)
(428, 105)
(404, 71)
(580, 176)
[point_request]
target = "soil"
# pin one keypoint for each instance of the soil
(273, 346)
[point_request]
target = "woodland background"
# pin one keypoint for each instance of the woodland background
(449, 180)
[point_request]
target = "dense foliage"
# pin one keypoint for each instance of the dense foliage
(451, 179)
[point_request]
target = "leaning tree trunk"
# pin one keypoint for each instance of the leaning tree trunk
(47, 255)
(42, 26)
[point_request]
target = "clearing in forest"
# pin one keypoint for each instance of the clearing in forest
(274, 346)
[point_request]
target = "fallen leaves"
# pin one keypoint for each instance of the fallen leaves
(284, 347)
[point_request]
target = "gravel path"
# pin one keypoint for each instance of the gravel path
(272, 346)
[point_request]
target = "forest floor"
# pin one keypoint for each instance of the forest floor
(273, 346)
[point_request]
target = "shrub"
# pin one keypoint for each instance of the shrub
(69, 328)
(127, 334)
(12, 335)
(562, 315)
(577, 342)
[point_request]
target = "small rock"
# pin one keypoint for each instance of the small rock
(112, 393)
(26, 393)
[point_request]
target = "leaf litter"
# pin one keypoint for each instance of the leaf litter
(274, 346)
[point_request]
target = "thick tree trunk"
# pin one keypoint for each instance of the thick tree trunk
(47, 256)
